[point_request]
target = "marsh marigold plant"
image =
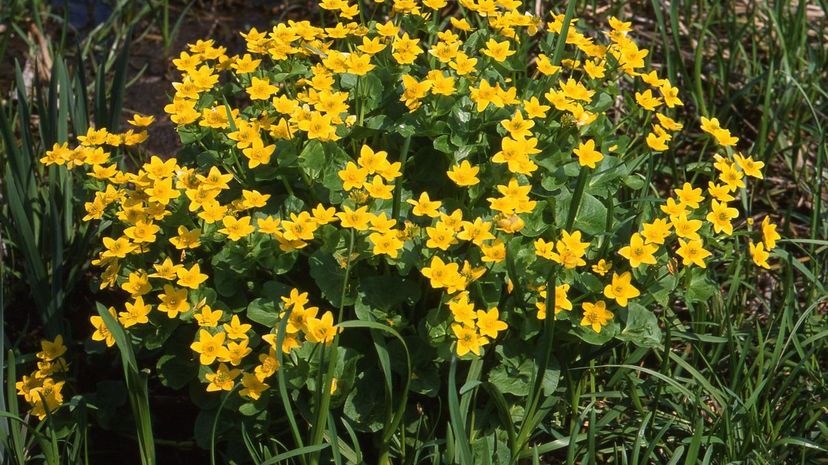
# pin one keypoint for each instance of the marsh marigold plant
(361, 209)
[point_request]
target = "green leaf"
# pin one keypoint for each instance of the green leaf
(362, 405)
(592, 214)
(389, 292)
(641, 328)
(312, 159)
(700, 288)
(262, 311)
(329, 276)
(175, 371)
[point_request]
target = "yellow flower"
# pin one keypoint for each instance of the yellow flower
(435, 4)
(136, 313)
(268, 364)
(759, 254)
(215, 180)
(371, 46)
(535, 109)
(300, 227)
(381, 223)
(424, 206)
(712, 127)
(323, 215)
(260, 89)
(102, 332)
(209, 346)
(443, 275)
(173, 301)
(477, 232)
(353, 177)
(720, 192)
(163, 192)
(191, 278)
(244, 135)
(165, 270)
(295, 299)
(321, 329)
(484, 94)
(545, 65)
(769, 234)
(236, 229)
(670, 95)
(656, 141)
(568, 250)
(440, 237)
(646, 100)
(467, 339)
(561, 301)
(518, 127)
(720, 216)
(378, 189)
(441, 84)
(254, 199)
(638, 253)
(587, 155)
(405, 49)
(359, 65)
(749, 166)
(498, 51)
(222, 379)
(141, 121)
(602, 267)
(236, 330)
(488, 323)
(213, 211)
(685, 228)
(51, 350)
(387, 243)
(732, 177)
(48, 396)
(516, 152)
(463, 64)
(358, 219)
(319, 126)
(688, 196)
(672, 208)
(464, 174)
(246, 64)
(657, 231)
(621, 288)
(236, 351)
(596, 315)
(693, 252)
(253, 387)
(137, 283)
(495, 252)
(668, 123)
(595, 68)
(207, 317)
(258, 153)
(462, 309)
(186, 239)
(387, 29)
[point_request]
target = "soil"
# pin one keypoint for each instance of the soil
(219, 21)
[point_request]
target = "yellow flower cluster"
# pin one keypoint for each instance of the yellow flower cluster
(40, 388)
(310, 148)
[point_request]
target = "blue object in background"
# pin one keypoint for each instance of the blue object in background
(85, 14)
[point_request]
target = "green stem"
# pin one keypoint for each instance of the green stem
(395, 211)
(575, 201)
(318, 430)
(559, 45)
